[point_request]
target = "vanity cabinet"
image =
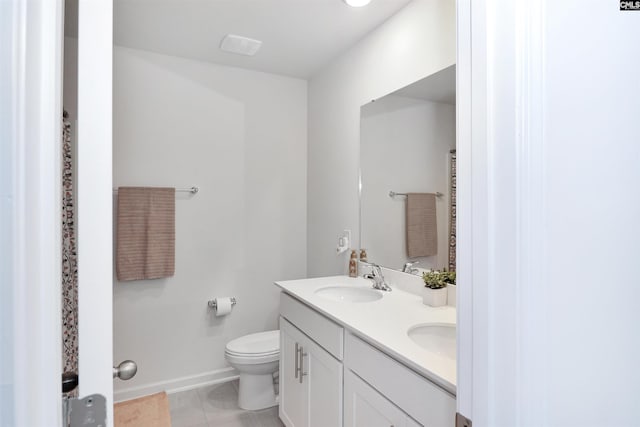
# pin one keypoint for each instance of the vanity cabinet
(316, 353)
(365, 407)
(310, 381)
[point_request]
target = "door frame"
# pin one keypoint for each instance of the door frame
(32, 53)
(36, 82)
(464, 223)
(500, 86)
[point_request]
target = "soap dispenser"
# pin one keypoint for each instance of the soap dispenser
(353, 264)
(363, 255)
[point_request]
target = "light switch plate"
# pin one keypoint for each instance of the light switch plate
(344, 241)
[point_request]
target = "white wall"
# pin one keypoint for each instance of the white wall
(241, 137)
(416, 42)
(405, 145)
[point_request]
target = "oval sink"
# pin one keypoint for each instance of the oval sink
(349, 294)
(439, 338)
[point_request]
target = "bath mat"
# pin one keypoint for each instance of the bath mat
(147, 411)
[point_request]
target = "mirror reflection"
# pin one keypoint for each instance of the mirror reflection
(407, 176)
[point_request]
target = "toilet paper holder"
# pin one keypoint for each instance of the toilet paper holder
(213, 304)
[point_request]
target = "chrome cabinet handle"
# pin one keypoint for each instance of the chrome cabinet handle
(296, 360)
(301, 363)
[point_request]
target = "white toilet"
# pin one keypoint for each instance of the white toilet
(256, 357)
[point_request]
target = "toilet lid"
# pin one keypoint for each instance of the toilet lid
(260, 343)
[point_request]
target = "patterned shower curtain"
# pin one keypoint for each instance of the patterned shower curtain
(69, 257)
(452, 212)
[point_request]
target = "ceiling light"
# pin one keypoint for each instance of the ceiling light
(357, 3)
(240, 45)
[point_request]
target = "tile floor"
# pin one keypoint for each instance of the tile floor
(217, 405)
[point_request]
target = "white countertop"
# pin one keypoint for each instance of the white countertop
(383, 323)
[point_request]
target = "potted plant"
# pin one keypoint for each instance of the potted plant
(435, 287)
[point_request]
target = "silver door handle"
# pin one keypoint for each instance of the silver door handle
(125, 370)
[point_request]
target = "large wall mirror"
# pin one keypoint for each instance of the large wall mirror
(407, 150)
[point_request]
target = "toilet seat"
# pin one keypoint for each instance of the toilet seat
(261, 347)
(243, 359)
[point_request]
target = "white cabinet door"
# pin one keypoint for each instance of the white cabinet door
(324, 381)
(365, 407)
(293, 408)
(310, 381)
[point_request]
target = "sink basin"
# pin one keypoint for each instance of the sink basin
(349, 294)
(439, 338)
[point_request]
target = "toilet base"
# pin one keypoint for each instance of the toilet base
(256, 392)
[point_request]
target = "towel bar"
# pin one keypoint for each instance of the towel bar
(192, 190)
(394, 194)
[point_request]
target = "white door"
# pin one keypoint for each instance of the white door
(365, 407)
(548, 107)
(32, 34)
(95, 195)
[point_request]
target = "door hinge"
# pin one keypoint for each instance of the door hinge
(462, 421)
(90, 411)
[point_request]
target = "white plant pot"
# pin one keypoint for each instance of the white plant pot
(434, 297)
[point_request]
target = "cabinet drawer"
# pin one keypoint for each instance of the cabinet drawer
(421, 399)
(328, 334)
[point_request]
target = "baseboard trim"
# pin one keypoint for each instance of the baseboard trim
(178, 384)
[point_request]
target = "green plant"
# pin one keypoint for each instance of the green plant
(450, 277)
(438, 279)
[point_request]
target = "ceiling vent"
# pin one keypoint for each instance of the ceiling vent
(240, 45)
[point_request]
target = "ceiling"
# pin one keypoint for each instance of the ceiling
(438, 87)
(299, 36)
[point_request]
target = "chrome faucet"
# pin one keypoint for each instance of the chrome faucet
(379, 281)
(408, 267)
